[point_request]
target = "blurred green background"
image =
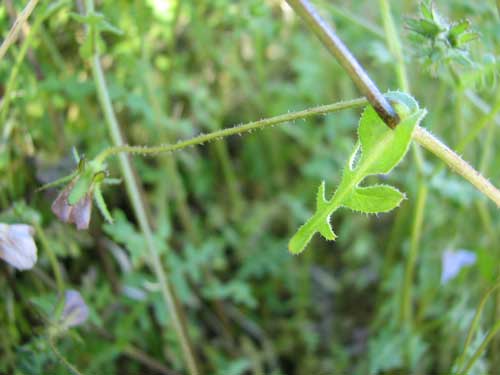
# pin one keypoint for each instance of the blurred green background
(224, 212)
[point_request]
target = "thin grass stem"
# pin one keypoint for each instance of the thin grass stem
(133, 190)
(16, 27)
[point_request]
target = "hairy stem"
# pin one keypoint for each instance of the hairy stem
(456, 163)
(133, 190)
(16, 28)
(239, 129)
(420, 135)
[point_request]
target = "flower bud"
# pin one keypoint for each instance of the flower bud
(75, 311)
(78, 214)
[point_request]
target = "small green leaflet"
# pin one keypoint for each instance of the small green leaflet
(381, 149)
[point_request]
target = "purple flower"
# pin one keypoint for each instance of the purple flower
(17, 246)
(78, 214)
(75, 311)
(453, 261)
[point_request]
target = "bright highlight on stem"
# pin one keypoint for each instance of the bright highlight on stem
(16, 28)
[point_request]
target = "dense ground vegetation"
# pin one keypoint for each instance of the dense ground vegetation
(377, 300)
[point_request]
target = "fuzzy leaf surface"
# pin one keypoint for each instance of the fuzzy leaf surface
(381, 150)
(374, 199)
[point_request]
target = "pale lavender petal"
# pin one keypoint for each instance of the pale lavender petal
(21, 230)
(61, 207)
(134, 293)
(17, 246)
(80, 215)
(75, 310)
(453, 261)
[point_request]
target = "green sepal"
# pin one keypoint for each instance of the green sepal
(80, 188)
(101, 204)
(57, 182)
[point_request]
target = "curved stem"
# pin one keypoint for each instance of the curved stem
(63, 360)
(482, 347)
(239, 129)
(133, 190)
(420, 135)
(475, 321)
(456, 163)
(14, 31)
(52, 257)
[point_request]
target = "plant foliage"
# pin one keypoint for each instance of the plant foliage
(380, 149)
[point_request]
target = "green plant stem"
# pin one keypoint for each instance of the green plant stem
(326, 34)
(484, 213)
(480, 104)
(16, 28)
(12, 81)
(176, 313)
(396, 48)
(456, 163)
(145, 359)
(355, 19)
(394, 44)
(176, 185)
(481, 349)
(236, 199)
(406, 308)
(392, 38)
(140, 212)
(334, 45)
(61, 358)
(420, 135)
(219, 134)
(475, 321)
(486, 120)
(52, 258)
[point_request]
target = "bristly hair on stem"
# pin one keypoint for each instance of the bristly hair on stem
(254, 125)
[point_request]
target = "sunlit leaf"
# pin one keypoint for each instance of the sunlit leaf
(381, 150)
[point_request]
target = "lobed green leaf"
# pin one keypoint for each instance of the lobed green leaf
(374, 199)
(381, 150)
